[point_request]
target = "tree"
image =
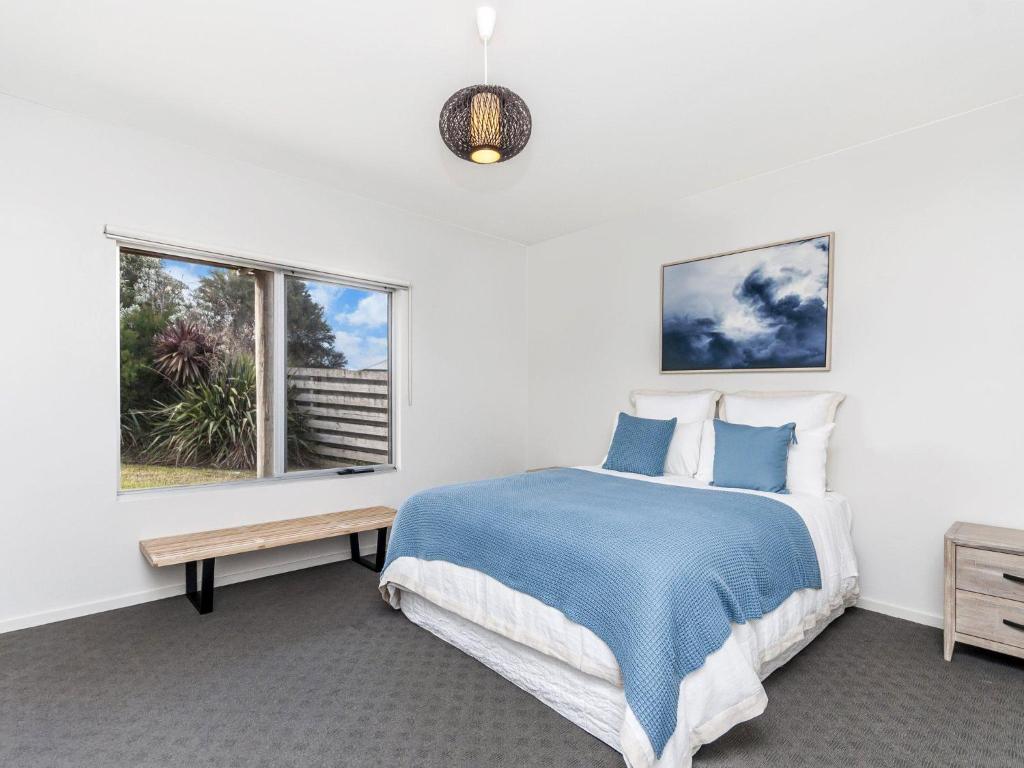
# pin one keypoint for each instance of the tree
(145, 283)
(310, 338)
(226, 302)
(150, 299)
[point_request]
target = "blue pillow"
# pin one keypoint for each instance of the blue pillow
(640, 445)
(752, 457)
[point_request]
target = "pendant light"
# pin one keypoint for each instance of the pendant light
(485, 123)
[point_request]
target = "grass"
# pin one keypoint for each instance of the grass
(135, 476)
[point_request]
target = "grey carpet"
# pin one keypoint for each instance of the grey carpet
(312, 669)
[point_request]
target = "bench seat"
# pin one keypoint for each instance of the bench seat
(190, 548)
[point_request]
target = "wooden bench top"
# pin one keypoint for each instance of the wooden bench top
(183, 548)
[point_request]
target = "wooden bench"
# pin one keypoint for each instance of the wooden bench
(190, 548)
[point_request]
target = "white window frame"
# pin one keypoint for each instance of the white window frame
(399, 309)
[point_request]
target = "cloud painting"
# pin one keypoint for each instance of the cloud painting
(759, 309)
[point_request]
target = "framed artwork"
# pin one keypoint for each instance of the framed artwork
(767, 308)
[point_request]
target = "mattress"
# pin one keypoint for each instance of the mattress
(570, 669)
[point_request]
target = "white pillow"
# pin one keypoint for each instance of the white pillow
(706, 465)
(808, 461)
(684, 450)
(690, 409)
(686, 407)
(773, 409)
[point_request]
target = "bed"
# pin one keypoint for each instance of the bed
(445, 587)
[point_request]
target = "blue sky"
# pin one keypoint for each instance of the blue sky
(185, 271)
(358, 318)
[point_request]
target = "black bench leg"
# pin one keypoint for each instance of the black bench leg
(377, 564)
(201, 599)
(382, 548)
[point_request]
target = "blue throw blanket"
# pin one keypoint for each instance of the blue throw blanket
(658, 572)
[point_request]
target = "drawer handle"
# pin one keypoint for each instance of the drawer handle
(1013, 625)
(1014, 579)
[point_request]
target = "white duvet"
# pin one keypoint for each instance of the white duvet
(572, 670)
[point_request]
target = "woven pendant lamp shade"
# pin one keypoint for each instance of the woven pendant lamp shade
(485, 124)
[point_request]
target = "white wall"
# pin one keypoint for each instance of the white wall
(927, 331)
(68, 545)
(926, 342)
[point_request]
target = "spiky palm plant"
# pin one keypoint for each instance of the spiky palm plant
(212, 424)
(184, 353)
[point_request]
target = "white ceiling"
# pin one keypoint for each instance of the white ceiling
(633, 102)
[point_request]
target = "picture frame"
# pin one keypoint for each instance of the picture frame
(767, 308)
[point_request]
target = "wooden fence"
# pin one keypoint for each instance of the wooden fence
(347, 412)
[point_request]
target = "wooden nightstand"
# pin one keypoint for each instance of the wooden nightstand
(985, 588)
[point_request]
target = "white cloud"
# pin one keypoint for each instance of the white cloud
(802, 271)
(370, 311)
(740, 323)
(362, 351)
(324, 294)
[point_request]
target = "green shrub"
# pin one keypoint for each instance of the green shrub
(134, 436)
(300, 445)
(141, 383)
(211, 424)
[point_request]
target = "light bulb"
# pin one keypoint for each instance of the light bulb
(485, 155)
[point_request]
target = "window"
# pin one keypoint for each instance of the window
(233, 371)
(338, 404)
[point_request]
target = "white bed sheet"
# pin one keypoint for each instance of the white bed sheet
(594, 704)
(572, 670)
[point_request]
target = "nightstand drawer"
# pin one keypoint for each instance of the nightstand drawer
(992, 618)
(990, 573)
